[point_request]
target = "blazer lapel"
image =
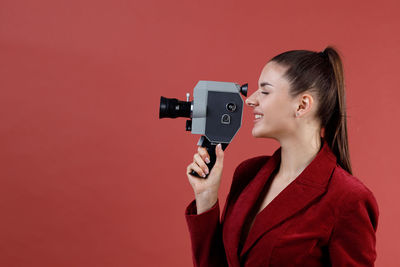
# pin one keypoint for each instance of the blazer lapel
(307, 187)
(240, 210)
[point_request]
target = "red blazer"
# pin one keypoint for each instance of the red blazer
(325, 217)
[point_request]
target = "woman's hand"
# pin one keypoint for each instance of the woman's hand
(205, 189)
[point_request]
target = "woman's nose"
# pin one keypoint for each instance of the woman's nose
(251, 101)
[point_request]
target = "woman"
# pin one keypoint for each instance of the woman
(301, 206)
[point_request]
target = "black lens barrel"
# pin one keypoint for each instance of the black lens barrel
(243, 89)
(173, 108)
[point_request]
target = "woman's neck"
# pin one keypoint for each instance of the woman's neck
(296, 154)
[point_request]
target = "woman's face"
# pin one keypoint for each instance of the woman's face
(274, 108)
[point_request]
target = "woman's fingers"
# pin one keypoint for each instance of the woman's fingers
(199, 161)
(203, 154)
(193, 166)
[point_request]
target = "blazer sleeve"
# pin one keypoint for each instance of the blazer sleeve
(352, 242)
(206, 236)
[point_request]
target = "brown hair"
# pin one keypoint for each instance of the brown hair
(322, 73)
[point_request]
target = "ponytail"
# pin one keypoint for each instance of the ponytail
(336, 128)
(322, 73)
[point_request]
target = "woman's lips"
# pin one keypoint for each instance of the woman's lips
(257, 117)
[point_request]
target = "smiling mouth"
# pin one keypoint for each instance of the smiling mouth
(257, 117)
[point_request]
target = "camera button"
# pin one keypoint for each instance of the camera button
(226, 119)
(231, 107)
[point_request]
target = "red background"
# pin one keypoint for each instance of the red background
(91, 177)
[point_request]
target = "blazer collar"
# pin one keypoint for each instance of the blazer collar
(308, 186)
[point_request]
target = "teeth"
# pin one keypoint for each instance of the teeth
(257, 116)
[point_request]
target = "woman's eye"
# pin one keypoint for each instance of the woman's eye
(265, 93)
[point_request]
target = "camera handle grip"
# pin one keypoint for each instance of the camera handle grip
(204, 142)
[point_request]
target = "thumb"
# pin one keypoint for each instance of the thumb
(220, 155)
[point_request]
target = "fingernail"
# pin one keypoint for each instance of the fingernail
(219, 145)
(206, 172)
(204, 176)
(207, 160)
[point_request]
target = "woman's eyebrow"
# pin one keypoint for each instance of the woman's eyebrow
(265, 83)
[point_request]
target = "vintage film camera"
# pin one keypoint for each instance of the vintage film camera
(215, 112)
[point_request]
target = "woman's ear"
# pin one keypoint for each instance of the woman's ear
(305, 104)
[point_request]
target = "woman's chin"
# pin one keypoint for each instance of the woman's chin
(256, 133)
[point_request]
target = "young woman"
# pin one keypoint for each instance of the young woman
(301, 206)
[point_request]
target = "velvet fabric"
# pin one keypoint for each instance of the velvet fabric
(325, 217)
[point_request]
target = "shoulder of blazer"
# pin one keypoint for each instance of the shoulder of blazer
(347, 184)
(352, 193)
(244, 173)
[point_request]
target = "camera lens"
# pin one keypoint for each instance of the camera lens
(231, 107)
(173, 108)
